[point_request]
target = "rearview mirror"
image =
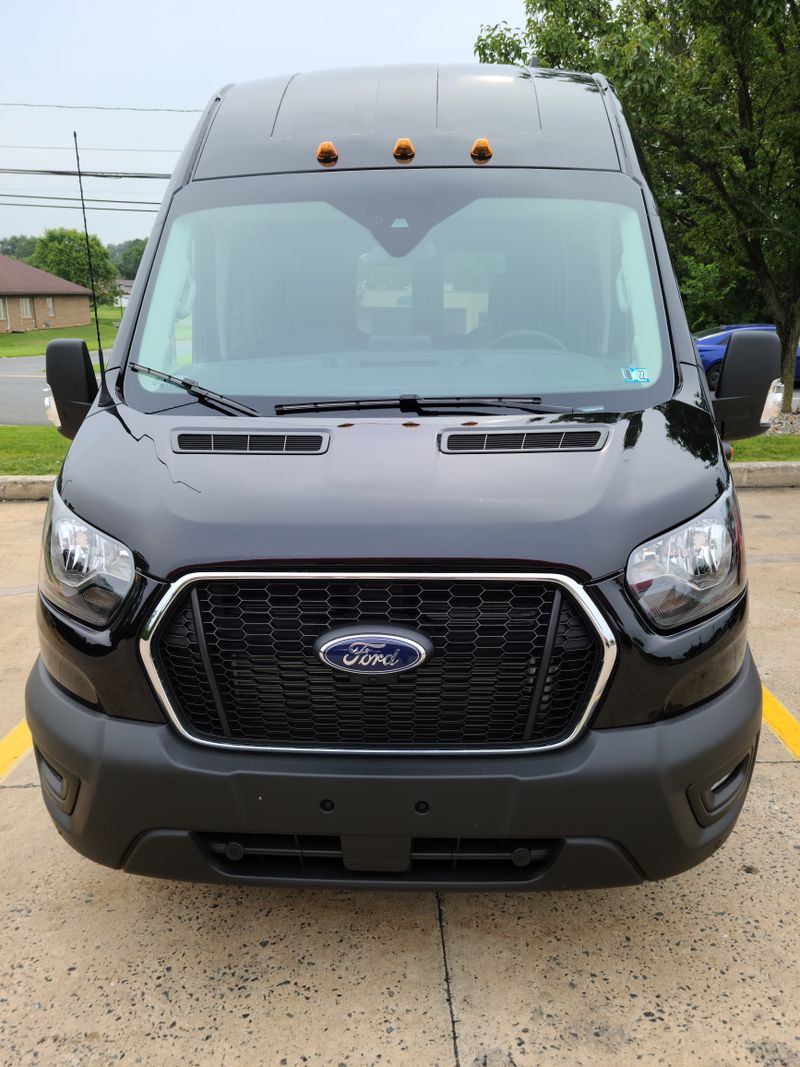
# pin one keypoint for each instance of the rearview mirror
(72, 382)
(751, 365)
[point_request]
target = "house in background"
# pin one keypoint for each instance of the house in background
(32, 299)
(124, 285)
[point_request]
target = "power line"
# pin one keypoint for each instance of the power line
(66, 148)
(77, 207)
(137, 195)
(102, 107)
(89, 199)
(86, 173)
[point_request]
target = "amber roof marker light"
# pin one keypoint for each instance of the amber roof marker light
(403, 150)
(327, 154)
(481, 151)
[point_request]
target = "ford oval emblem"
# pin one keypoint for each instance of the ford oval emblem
(384, 651)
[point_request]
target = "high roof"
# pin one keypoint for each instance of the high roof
(18, 279)
(532, 118)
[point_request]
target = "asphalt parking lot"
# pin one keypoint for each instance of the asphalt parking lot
(22, 380)
(100, 968)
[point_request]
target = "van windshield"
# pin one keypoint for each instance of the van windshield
(467, 282)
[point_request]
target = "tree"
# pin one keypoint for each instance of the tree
(716, 290)
(712, 89)
(132, 256)
(127, 256)
(19, 246)
(63, 252)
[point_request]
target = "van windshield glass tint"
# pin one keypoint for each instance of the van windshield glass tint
(385, 283)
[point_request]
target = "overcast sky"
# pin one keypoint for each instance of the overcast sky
(161, 53)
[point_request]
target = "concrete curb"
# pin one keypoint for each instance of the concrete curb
(745, 475)
(766, 475)
(26, 486)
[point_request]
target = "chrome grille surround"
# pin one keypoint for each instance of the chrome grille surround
(606, 638)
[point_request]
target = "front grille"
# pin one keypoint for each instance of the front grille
(304, 857)
(514, 663)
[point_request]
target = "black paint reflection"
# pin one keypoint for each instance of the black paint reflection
(692, 429)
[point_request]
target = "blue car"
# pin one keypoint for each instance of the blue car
(711, 345)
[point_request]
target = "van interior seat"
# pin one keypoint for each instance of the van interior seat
(517, 303)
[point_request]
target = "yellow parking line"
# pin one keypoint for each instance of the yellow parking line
(782, 722)
(14, 746)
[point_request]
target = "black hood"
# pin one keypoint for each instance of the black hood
(384, 491)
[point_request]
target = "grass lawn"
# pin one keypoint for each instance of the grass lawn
(41, 449)
(34, 342)
(31, 449)
(785, 446)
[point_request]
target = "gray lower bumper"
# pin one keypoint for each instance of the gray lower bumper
(618, 806)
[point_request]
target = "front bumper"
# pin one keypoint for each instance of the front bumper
(617, 807)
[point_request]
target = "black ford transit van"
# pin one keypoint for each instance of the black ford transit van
(401, 547)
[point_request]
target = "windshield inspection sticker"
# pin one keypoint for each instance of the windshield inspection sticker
(635, 374)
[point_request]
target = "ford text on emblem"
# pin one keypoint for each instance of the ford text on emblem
(385, 651)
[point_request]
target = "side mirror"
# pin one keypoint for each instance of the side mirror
(72, 382)
(752, 363)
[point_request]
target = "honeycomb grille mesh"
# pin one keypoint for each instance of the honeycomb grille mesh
(486, 685)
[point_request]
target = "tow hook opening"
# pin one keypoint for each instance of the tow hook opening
(57, 783)
(713, 797)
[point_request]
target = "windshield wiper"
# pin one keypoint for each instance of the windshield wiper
(421, 405)
(206, 396)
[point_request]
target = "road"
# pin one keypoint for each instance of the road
(99, 967)
(22, 380)
(21, 383)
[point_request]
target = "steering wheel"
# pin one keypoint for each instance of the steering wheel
(510, 335)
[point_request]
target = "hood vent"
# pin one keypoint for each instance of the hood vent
(525, 441)
(262, 444)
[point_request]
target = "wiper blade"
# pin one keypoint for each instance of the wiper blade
(533, 404)
(222, 403)
(420, 405)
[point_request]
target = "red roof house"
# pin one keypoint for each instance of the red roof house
(32, 299)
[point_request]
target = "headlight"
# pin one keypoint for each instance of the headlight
(84, 571)
(691, 571)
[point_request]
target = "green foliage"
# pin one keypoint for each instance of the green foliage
(18, 246)
(127, 256)
(501, 44)
(63, 252)
(712, 89)
(718, 293)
